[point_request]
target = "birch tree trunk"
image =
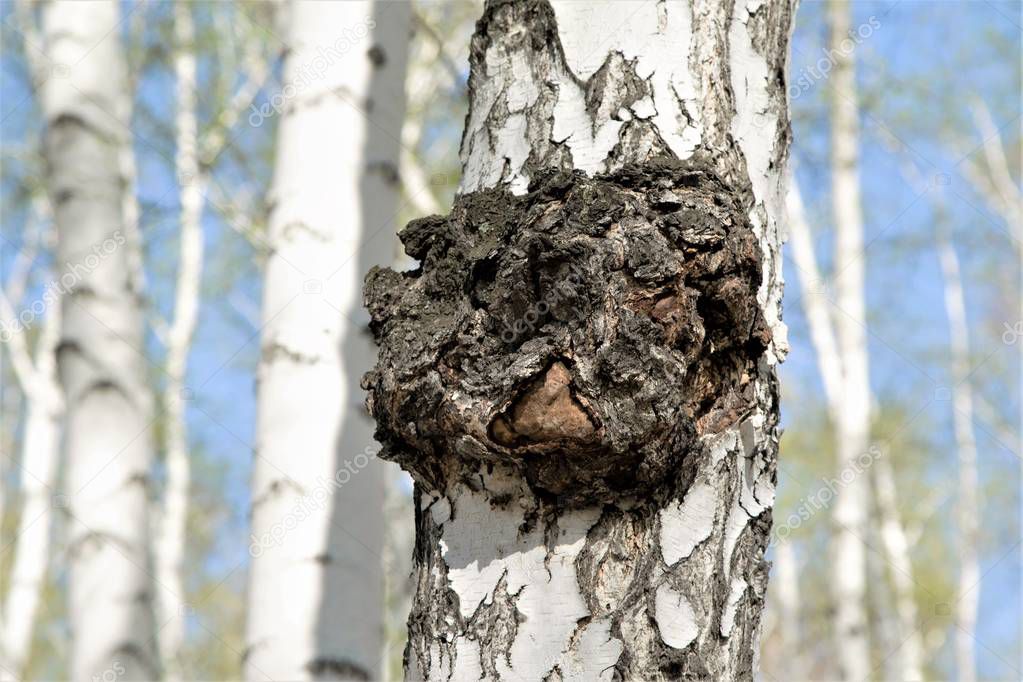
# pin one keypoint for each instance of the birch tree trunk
(967, 591)
(171, 543)
(581, 376)
(100, 355)
(1003, 195)
(38, 477)
(852, 414)
(853, 420)
(891, 530)
(316, 591)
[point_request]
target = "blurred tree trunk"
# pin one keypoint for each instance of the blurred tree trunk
(530, 566)
(842, 354)
(101, 353)
(170, 545)
(891, 531)
(789, 623)
(968, 589)
(38, 477)
(316, 591)
(896, 547)
(852, 424)
(1002, 193)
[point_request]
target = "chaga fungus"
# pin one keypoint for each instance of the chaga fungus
(585, 333)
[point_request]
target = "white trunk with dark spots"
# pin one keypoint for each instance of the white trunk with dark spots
(101, 354)
(532, 561)
(316, 591)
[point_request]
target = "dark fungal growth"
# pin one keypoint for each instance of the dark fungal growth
(585, 333)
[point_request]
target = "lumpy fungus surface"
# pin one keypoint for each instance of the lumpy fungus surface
(585, 333)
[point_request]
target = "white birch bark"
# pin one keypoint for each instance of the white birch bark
(853, 420)
(968, 587)
(170, 545)
(100, 355)
(40, 442)
(316, 593)
(513, 586)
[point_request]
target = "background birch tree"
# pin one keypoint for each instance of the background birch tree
(914, 570)
(586, 568)
(170, 544)
(839, 333)
(36, 373)
(316, 593)
(993, 179)
(101, 353)
(853, 416)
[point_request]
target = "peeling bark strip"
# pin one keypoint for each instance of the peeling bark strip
(581, 374)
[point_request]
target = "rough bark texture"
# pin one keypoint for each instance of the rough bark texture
(581, 374)
(101, 353)
(587, 333)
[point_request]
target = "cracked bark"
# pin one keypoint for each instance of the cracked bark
(581, 374)
(100, 354)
